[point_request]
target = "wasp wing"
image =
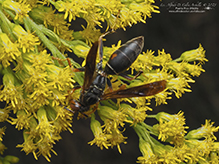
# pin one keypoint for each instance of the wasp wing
(90, 66)
(139, 91)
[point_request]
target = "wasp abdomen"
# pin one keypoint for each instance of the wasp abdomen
(123, 58)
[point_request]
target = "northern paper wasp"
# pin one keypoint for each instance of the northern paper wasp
(95, 79)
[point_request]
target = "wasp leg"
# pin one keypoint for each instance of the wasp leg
(100, 42)
(82, 69)
(109, 84)
(87, 113)
(74, 105)
(61, 61)
(100, 45)
(73, 90)
(131, 78)
(69, 109)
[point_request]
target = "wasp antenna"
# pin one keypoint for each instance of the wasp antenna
(84, 114)
(69, 109)
(112, 30)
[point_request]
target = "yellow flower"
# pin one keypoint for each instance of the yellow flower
(4, 114)
(216, 146)
(137, 115)
(180, 154)
(156, 75)
(39, 61)
(72, 9)
(14, 95)
(47, 134)
(45, 129)
(58, 78)
(9, 51)
(53, 20)
(171, 127)
(22, 120)
(26, 40)
(161, 98)
(214, 158)
(206, 131)
(113, 119)
(36, 78)
(101, 139)
(146, 151)
(134, 13)
(194, 69)
(61, 119)
(178, 85)
(40, 97)
(28, 146)
(178, 68)
(116, 138)
(140, 102)
(111, 7)
(81, 50)
(44, 148)
(2, 132)
(163, 57)
(90, 34)
(200, 149)
(194, 55)
(20, 8)
(12, 91)
(145, 61)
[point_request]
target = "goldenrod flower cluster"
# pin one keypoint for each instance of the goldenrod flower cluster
(38, 81)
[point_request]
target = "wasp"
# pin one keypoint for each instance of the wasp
(95, 78)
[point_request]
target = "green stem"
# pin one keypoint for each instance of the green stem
(6, 25)
(177, 60)
(148, 127)
(143, 133)
(55, 52)
(109, 103)
(27, 25)
(8, 70)
(151, 116)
